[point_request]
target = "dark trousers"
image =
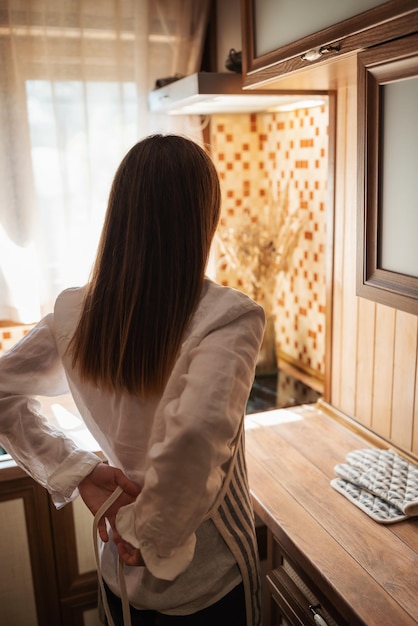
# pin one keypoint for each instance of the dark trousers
(229, 611)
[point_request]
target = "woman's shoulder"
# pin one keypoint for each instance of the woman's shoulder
(72, 297)
(221, 305)
(67, 309)
(223, 296)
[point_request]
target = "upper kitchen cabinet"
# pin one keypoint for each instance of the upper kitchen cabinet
(387, 222)
(282, 39)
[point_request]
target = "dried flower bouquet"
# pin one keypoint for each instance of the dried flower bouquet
(259, 246)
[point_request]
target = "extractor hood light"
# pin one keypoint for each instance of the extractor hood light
(247, 103)
(298, 104)
(209, 93)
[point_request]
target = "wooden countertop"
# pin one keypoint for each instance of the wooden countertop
(370, 569)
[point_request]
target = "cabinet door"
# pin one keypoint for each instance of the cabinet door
(48, 575)
(76, 567)
(28, 590)
(282, 36)
(280, 23)
(387, 268)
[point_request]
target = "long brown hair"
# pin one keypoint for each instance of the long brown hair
(147, 278)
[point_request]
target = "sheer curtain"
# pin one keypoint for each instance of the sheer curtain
(74, 82)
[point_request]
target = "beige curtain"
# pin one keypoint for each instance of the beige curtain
(74, 83)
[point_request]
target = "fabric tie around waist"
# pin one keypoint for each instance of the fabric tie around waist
(121, 576)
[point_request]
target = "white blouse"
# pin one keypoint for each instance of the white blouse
(176, 447)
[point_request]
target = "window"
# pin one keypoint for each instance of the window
(79, 132)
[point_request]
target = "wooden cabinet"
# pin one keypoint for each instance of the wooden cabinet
(291, 596)
(48, 573)
(344, 29)
(280, 23)
(76, 568)
(28, 588)
(387, 263)
(324, 554)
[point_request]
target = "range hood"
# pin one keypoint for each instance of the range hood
(206, 93)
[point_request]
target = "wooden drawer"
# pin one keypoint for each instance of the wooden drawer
(296, 595)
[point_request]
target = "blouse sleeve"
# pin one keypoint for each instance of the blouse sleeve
(187, 466)
(33, 368)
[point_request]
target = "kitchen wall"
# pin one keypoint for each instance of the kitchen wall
(258, 157)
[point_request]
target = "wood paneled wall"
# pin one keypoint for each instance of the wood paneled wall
(374, 376)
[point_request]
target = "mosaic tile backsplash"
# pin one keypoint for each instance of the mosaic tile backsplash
(259, 157)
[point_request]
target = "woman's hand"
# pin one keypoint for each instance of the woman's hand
(129, 555)
(97, 487)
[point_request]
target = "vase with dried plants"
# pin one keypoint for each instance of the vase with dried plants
(254, 250)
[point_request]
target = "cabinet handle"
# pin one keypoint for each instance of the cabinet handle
(318, 619)
(317, 53)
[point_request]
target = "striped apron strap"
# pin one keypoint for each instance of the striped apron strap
(233, 516)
